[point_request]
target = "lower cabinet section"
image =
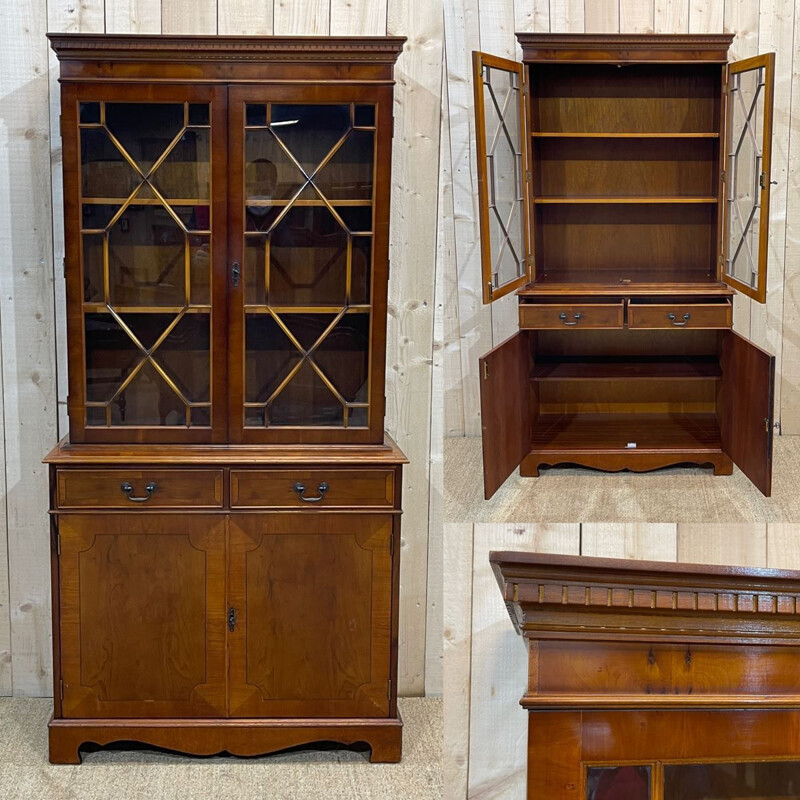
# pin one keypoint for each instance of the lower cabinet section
(142, 615)
(310, 606)
(243, 631)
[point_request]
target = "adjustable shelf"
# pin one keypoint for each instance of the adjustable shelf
(617, 432)
(621, 200)
(602, 368)
(580, 135)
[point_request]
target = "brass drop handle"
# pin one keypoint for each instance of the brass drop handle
(322, 488)
(686, 318)
(127, 488)
(563, 317)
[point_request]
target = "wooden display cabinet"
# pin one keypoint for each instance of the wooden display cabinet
(226, 509)
(651, 681)
(624, 194)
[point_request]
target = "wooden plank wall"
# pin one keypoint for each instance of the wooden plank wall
(760, 25)
(485, 662)
(32, 338)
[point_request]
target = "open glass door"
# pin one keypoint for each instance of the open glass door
(748, 143)
(502, 185)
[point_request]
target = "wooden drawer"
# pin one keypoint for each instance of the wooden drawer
(680, 315)
(103, 488)
(557, 315)
(342, 488)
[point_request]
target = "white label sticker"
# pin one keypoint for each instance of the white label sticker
(631, 445)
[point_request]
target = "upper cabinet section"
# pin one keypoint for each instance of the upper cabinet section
(227, 235)
(646, 166)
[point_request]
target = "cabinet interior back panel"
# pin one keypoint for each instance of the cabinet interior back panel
(640, 237)
(605, 98)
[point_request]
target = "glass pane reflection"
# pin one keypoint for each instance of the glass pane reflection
(618, 783)
(754, 781)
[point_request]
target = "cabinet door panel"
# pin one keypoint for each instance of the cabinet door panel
(502, 154)
(309, 174)
(142, 615)
(312, 597)
(748, 144)
(745, 408)
(144, 178)
(506, 409)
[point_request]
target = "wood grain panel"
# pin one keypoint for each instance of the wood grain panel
(458, 553)
(411, 299)
(347, 488)
(27, 338)
(306, 18)
(143, 616)
(654, 542)
(188, 16)
(103, 488)
(499, 661)
(312, 598)
(741, 544)
(133, 16)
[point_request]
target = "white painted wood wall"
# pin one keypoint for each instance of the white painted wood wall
(32, 338)
(485, 662)
(470, 329)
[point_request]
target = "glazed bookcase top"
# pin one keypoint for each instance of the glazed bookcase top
(181, 48)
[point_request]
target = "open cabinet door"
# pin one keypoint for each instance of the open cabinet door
(748, 143)
(500, 133)
(506, 412)
(745, 408)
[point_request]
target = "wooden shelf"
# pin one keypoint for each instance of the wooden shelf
(613, 432)
(628, 282)
(602, 368)
(559, 135)
(629, 199)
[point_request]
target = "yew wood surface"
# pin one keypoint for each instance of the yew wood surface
(507, 409)
(745, 408)
(642, 662)
(142, 616)
(313, 634)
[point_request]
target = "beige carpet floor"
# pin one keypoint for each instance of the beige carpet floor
(25, 773)
(566, 494)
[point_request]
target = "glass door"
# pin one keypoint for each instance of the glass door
(149, 220)
(308, 264)
(748, 143)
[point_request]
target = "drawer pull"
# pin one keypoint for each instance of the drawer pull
(563, 317)
(686, 318)
(128, 489)
(322, 488)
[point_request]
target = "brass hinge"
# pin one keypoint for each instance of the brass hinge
(766, 424)
(389, 689)
(723, 176)
(61, 688)
(58, 543)
(491, 290)
(528, 175)
(762, 180)
(486, 370)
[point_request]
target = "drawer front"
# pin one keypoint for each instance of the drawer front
(680, 315)
(313, 488)
(557, 316)
(140, 488)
